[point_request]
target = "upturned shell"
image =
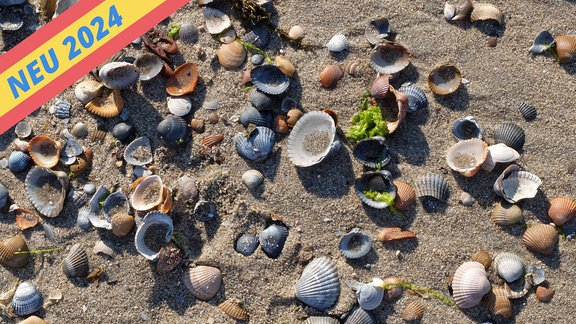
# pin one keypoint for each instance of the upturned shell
(486, 11)
(25, 218)
(234, 309)
(470, 284)
(466, 157)
(260, 100)
(510, 134)
(565, 48)
(257, 146)
(204, 210)
(515, 185)
(499, 153)
(458, 12)
(389, 58)
(466, 128)
(122, 224)
(330, 75)
(444, 79)
(528, 111)
(378, 30)
(149, 65)
(414, 311)
(19, 161)
(216, 21)
(405, 195)
(337, 43)
(372, 152)
(46, 191)
(296, 33)
(183, 81)
(82, 163)
(231, 55)
(252, 178)
(246, 244)
(154, 232)
(188, 33)
(482, 257)
(179, 106)
(318, 286)
(119, 75)
(562, 210)
(311, 139)
(8, 249)
(23, 130)
(11, 20)
(416, 97)
(394, 107)
(269, 79)
(355, 245)
(138, 152)
(147, 193)
(498, 302)
(380, 86)
(116, 203)
(44, 151)
(284, 65)
(541, 238)
(433, 185)
(505, 214)
(75, 264)
(509, 266)
(27, 299)
(542, 42)
(379, 181)
(172, 131)
(359, 315)
(251, 115)
(370, 296)
(203, 281)
(272, 240)
(107, 104)
(87, 90)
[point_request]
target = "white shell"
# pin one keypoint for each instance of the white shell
(319, 287)
(140, 200)
(499, 153)
(338, 43)
(310, 124)
(119, 75)
(515, 185)
(216, 20)
(370, 296)
(152, 218)
(509, 266)
(92, 212)
(252, 178)
(467, 156)
(27, 299)
(179, 106)
(470, 284)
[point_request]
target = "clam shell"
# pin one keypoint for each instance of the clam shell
(19, 161)
(359, 315)
(187, 189)
(311, 139)
(44, 151)
(296, 33)
(528, 111)
(203, 281)
(23, 130)
(466, 157)
(25, 218)
(258, 36)
(75, 264)
(542, 42)
(251, 115)
(370, 296)
(122, 224)
(170, 257)
(486, 11)
(389, 58)
(498, 302)
(211, 140)
(71, 148)
(183, 81)
(115, 204)
(515, 185)
(458, 12)
(107, 104)
(257, 146)
(330, 75)
(321, 320)
(147, 193)
(153, 220)
(505, 214)
(234, 309)
(292, 116)
(272, 240)
(499, 153)
(561, 211)
(433, 185)
(138, 152)
(269, 79)
(284, 65)
(372, 152)
(188, 33)
(86, 91)
(380, 181)
(565, 48)
(355, 245)
(119, 75)
(318, 286)
(405, 195)
(544, 294)
(148, 65)
(414, 311)
(416, 97)
(216, 21)
(204, 211)
(380, 86)
(27, 299)
(510, 134)
(252, 178)
(61, 108)
(466, 128)
(179, 106)
(338, 43)
(260, 100)
(541, 238)
(172, 131)
(246, 244)
(231, 55)
(45, 190)
(378, 30)
(470, 284)
(482, 257)
(8, 247)
(509, 266)
(444, 79)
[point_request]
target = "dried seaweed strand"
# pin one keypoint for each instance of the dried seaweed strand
(38, 251)
(255, 48)
(432, 292)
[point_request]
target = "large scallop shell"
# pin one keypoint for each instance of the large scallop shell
(234, 309)
(172, 131)
(149, 65)
(19, 161)
(379, 181)
(216, 20)
(370, 296)
(75, 264)
(147, 193)
(203, 281)
(486, 11)
(44, 151)
(8, 257)
(257, 146)
(231, 55)
(151, 221)
(466, 157)
(509, 266)
(119, 75)
(389, 58)
(515, 185)
(107, 104)
(183, 81)
(433, 185)
(27, 299)
(542, 42)
(318, 286)
(46, 191)
(562, 210)
(355, 245)
(541, 238)
(498, 302)
(272, 240)
(466, 128)
(311, 139)
(359, 315)
(505, 214)
(417, 99)
(269, 79)
(444, 79)
(138, 152)
(470, 284)
(330, 75)
(565, 48)
(510, 134)
(338, 43)
(405, 195)
(414, 311)
(372, 152)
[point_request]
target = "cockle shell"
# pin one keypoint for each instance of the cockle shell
(119, 75)
(505, 214)
(542, 42)
(499, 153)
(515, 185)
(216, 20)
(565, 48)
(541, 238)
(246, 244)
(204, 210)
(337, 43)
(115, 204)
(330, 75)
(203, 281)
(458, 12)
(19, 161)
(231, 55)
(147, 193)
(257, 146)
(269, 79)
(528, 111)
(188, 33)
(23, 130)
(183, 81)
(394, 107)
(444, 79)
(562, 210)
(321, 320)
(470, 284)
(272, 240)
(482, 257)
(510, 134)
(433, 185)
(466, 128)
(252, 178)
(179, 106)
(46, 191)
(234, 308)
(86, 91)
(486, 11)
(318, 286)
(149, 65)
(172, 131)
(405, 195)
(380, 86)
(372, 152)
(8, 249)
(311, 139)
(138, 152)
(378, 30)
(417, 99)
(498, 302)
(359, 315)
(44, 151)
(414, 311)
(107, 104)
(370, 296)
(296, 33)
(75, 264)
(509, 266)
(251, 115)
(27, 299)
(380, 181)
(355, 245)
(466, 157)
(61, 108)
(544, 293)
(152, 222)
(211, 140)
(389, 58)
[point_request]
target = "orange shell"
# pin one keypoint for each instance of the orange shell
(540, 238)
(498, 302)
(483, 257)
(333, 115)
(44, 151)
(167, 200)
(544, 293)
(394, 107)
(393, 234)
(231, 55)
(562, 210)
(405, 195)
(280, 125)
(413, 311)
(330, 75)
(565, 48)
(234, 309)
(108, 104)
(284, 65)
(8, 247)
(25, 218)
(444, 79)
(183, 81)
(83, 161)
(209, 141)
(122, 224)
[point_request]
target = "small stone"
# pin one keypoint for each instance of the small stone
(466, 199)
(89, 188)
(257, 59)
(79, 130)
(491, 41)
(213, 118)
(4, 163)
(144, 317)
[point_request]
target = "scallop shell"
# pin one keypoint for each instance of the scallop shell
(252, 178)
(8, 257)
(359, 315)
(23, 130)
(234, 309)
(188, 33)
(318, 286)
(27, 299)
(389, 58)
(246, 244)
(260, 100)
(541, 238)
(458, 12)
(444, 79)
(183, 81)
(75, 264)
(509, 266)
(122, 224)
(231, 55)
(528, 111)
(470, 284)
(338, 43)
(370, 296)
(380, 86)
(147, 194)
(543, 41)
(380, 181)
(330, 75)
(212, 140)
(296, 33)
(284, 65)
(19, 161)
(565, 48)
(486, 11)
(257, 146)
(154, 218)
(44, 151)
(148, 65)
(505, 214)
(119, 75)
(482, 257)
(405, 195)
(107, 104)
(466, 128)
(355, 245)
(515, 185)
(269, 79)
(311, 139)
(562, 210)
(378, 30)
(372, 152)
(510, 134)
(498, 302)
(216, 20)
(433, 185)
(321, 320)
(414, 311)
(61, 108)
(115, 204)
(46, 191)
(251, 115)
(416, 97)
(203, 281)
(466, 157)
(258, 36)
(179, 106)
(172, 131)
(272, 240)
(138, 152)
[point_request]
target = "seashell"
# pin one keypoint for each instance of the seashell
(179, 106)
(47, 9)
(115, 204)
(466, 128)
(388, 234)
(380, 86)
(63, 5)
(414, 311)
(204, 211)
(284, 65)
(172, 131)
(188, 33)
(372, 152)
(119, 75)
(25, 218)
(251, 115)
(170, 257)
(378, 30)
(543, 41)
(405, 195)
(3, 196)
(138, 152)
(203, 281)
(83, 162)
(394, 107)
(33, 320)
(71, 148)
(470, 284)
(538, 274)
(296, 33)
(216, 21)
(459, 12)
(19, 145)
(123, 131)
(509, 266)
(505, 214)
(246, 244)
(148, 65)
(515, 185)
(416, 97)
(499, 153)
(104, 248)
(45, 190)
(257, 146)
(561, 211)
(318, 286)
(107, 104)
(370, 296)
(234, 309)
(332, 114)
(444, 79)
(209, 141)
(269, 79)
(272, 240)
(482, 257)
(147, 193)
(61, 108)
(213, 118)
(122, 224)
(8, 249)
(197, 125)
(10, 20)
(433, 185)
(498, 302)
(79, 130)
(565, 48)
(510, 134)
(353, 68)
(466, 157)
(359, 315)
(311, 139)
(293, 116)
(486, 11)
(379, 181)
(330, 75)
(466, 199)
(389, 58)
(19, 161)
(27, 299)
(528, 111)
(258, 36)
(257, 59)
(187, 189)
(228, 36)
(23, 130)
(75, 264)
(86, 91)
(338, 43)
(183, 81)
(44, 151)
(154, 232)
(321, 320)
(355, 245)
(231, 55)
(541, 238)
(252, 178)
(544, 294)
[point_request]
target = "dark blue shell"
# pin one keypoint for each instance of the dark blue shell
(542, 42)
(380, 181)
(355, 244)
(26, 300)
(416, 97)
(3, 196)
(123, 131)
(269, 79)
(257, 146)
(246, 244)
(272, 240)
(62, 109)
(172, 131)
(466, 128)
(260, 100)
(19, 161)
(360, 315)
(510, 134)
(319, 286)
(528, 111)
(251, 115)
(372, 152)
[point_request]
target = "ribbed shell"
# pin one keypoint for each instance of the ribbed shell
(330, 75)
(565, 48)
(172, 131)
(45, 190)
(272, 240)
(498, 302)
(3, 196)
(544, 294)
(405, 195)
(562, 210)
(231, 55)
(251, 115)
(485, 11)
(119, 75)
(252, 178)
(444, 79)
(510, 134)
(380, 86)
(203, 281)
(87, 90)
(528, 111)
(417, 99)
(211, 140)
(107, 104)
(188, 33)
(315, 129)
(318, 286)
(466, 157)
(75, 264)
(515, 185)
(260, 100)
(27, 299)
(246, 244)
(151, 219)
(505, 214)
(257, 146)
(138, 152)
(19, 161)
(355, 245)
(370, 296)
(433, 185)
(542, 42)
(466, 128)
(482, 257)
(509, 266)
(470, 284)
(216, 21)
(321, 320)
(389, 58)
(394, 109)
(338, 43)
(183, 81)
(541, 238)
(44, 151)
(359, 315)
(8, 247)
(234, 309)
(380, 181)
(413, 311)
(269, 79)
(62, 108)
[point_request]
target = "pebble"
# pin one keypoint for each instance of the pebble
(144, 317)
(466, 199)
(257, 59)
(4, 163)
(89, 188)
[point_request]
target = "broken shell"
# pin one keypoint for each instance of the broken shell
(104, 248)
(543, 41)
(269, 79)
(466, 128)
(311, 139)
(258, 36)
(372, 152)
(115, 204)
(414, 311)
(216, 20)
(257, 146)
(380, 86)
(209, 141)
(119, 75)
(246, 244)
(330, 75)
(510, 134)
(388, 234)
(486, 11)
(444, 79)
(499, 153)
(272, 240)
(188, 33)
(8, 249)
(231, 55)
(183, 81)
(107, 104)
(394, 107)
(27, 299)
(466, 157)
(44, 151)
(161, 227)
(251, 115)
(470, 284)
(370, 296)
(45, 190)
(204, 211)
(71, 148)
(482, 257)
(11, 20)
(122, 224)
(544, 294)
(172, 131)
(75, 264)
(179, 106)
(459, 12)
(416, 97)
(337, 43)
(61, 108)
(389, 58)
(378, 30)
(234, 309)
(318, 286)
(498, 302)
(19, 161)
(405, 195)
(25, 218)
(562, 210)
(505, 214)
(148, 65)
(147, 193)
(528, 111)
(170, 257)
(138, 152)
(296, 33)
(355, 245)
(34, 320)
(260, 100)
(541, 238)
(353, 68)
(565, 48)
(433, 185)
(203, 281)
(252, 178)
(293, 116)
(379, 181)
(515, 185)
(509, 266)
(284, 65)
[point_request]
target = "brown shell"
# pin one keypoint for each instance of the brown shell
(8, 247)
(394, 107)
(330, 75)
(209, 141)
(565, 48)
(390, 295)
(498, 302)
(483, 257)
(183, 81)
(284, 65)
(44, 151)
(444, 79)
(108, 104)
(169, 257)
(25, 218)
(33, 320)
(405, 195)
(413, 311)
(380, 86)
(47, 8)
(197, 125)
(544, 293)
(98, 135)
(332, 114)
(280, 125)
(562, 210)
(231, 55)
(393, 234)
(234, 308)
(505, 214)
(83, 161)
(122, 224)
(203, 281)
(486, 11)
(540, 238)
(167, 200)
(293, 115)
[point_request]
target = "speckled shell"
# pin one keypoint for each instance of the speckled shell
(565, 48)
(231, 55)
(470, 284)
(203, 281)
(246, 244)
(152, 218)
(444, 79)
(509, 266)
(321, 320)
(147, 194)
(252, 178)
(498, 302)
(405, 195)
(354, 68)
(75, 264)
(119, 75)
(216, 21)
(541, 238)
(310, 124)
(82, 163)
(257, 146)
(106, 104)
(482, 257)
(170, 257)
(562, 210)
(251, 115)
(149, 65)
(338, 43)
(46, 191)
(8, 247)
(528, 111)
(19, 161)
(138, 152)
(413, 311)
(510, 134)
(284, 65)
(269, 79)
(377, 30)
(330, 75)
(61, 108)
(466, 128)
(234, 309)
(27, 299)
(485, 11)
(433, 185)
(473, 151)
(372, 152)
(272, 240)
(172, 131)
(359, 315)
(380, 86)
(515, 185)
(44, 151)
(389, 58)
(183, 81)
(380, 181)
(318, 286)
(370, 296)
(355, 245)
(179, 106)
(542, 42)
(417, 99)
(505, 214)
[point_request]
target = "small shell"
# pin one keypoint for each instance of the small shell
(466, 128)
(482, 257)
(505, 214)
(3, 196)
(138, 152)
(378, 30)
(123, 131)
(115, 204)
(234, 309)
(272, 240)
(260, 100)
(147, 193)
(318, 286)
(355, 245)
(23, 130)
(61, 108)
(197, 125)
(246, 244)
(510, 134)
(330, 75)
(269, 79)
(203, 281)
(25, 218)
(565, 48)
(459, 12)
(179, 106)
(293, 116)
(389, 234)
(370, 296)
(71, 148)
(296, 33)
(183, 81)
(389, 58)
(284, 65)
(19, 161)
(27, 299)
(148, 65)
(433, 185)
(380, 86)
(46, 191)
(416, 97)
(562, 210)
(470, 284)
(188, 33)
(499, 153)
(544, 294)
(498, 302)
(231, 55)
(528, 111)
(170, 257)
(82, 163)
(515, 185)
(379, 181)
(353, 68)
(187, 189)
(257, 146)
(161, 225)
(258, 36)
(44, 151)
(204, 211)
(321, 320)
(122, 224)
(212, 140)
(119, 75)
(172, 131)
(216, 20)
(372, 152)
(414, 311)
(405, 195)
(311, 139)
(11, 20)
(466, 157)
(444, 79)
(338, 43)
(107, 104)
(257, 59)
(509, 266)
(394, 107)
(359, 315)
(75, 264)
(486, 11)
(541, 238)
(104, 248)
(251, 115)
(252, 178)
(542, 42)
(8, 249)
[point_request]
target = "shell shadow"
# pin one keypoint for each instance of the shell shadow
(409, 74)
(176, 297)
(340, 56)
(457, 101)
(569, 68)
(478, 313)
(359, 263)
(490, 27)
(538, 206)
(268, 167)
(405, 245)
(410, 143)
(551, 260)
(477, 186)
(432, 205)
(385, 218)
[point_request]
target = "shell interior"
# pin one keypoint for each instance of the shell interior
(149, 65)
(46, 191)
(389, 58)
(379, 181)
(154, 232)
(269, 79)
(466, 128)
(138, 152)
(444, 80)
(183, 81)
(355, 244)
(311, 139)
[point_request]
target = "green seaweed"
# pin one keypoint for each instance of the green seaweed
(255, 49)
(38, 251)
(432, 292)
(173, 31)
(367, 123)
(384, 197)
